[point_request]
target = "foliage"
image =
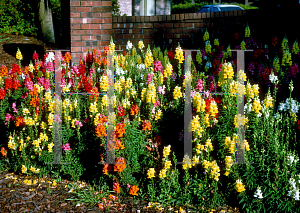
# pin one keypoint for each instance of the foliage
(17, 17)
(187, 7)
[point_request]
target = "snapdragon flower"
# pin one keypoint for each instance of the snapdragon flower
(258, 193)
(273, 78)
(129, 45)
(50, 57)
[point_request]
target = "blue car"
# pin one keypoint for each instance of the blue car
(218, 8)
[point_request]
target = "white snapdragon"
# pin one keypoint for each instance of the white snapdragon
(129, 45)
(50, 57)
(258, 193)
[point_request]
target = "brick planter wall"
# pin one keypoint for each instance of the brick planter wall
(188, 29)
(90, 26)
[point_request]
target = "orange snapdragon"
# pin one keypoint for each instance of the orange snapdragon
(67, 57)
(106, 169)
(120, 165)
(146, 125)
(134, 109)
(100, 130)
(116, 187)
(120, 130)
(133, 190)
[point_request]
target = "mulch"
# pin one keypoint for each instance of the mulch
(18, 196)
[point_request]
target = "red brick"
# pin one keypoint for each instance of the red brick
(128, 36)
(158, 25)
(83, 9)
(117, 31)
(106, 26)
(76, 55)
(75, 49)
(139, 36)
(168, 25)
(169, 18)
(168, 36)
(148, 35)
(88, 38)
(105, 43)
(74, 15)
(136, 31)
(190, 30)
(74, 3)
(90, 3)
(106, 37)
(142, 18)
(186, 16)
(177, 35)
(96, 32)
(188, 24)
(86, 15)
(126, 31)
(143, 25)
(128, 25)
(75, 26)
(119, 36)
(177, 30)
(76, 20)
(91, 26)
(80, 32)
(76, 43)
(147, 30)
(106, 32)
(98, 20)
(115, 19)
(147, 19)
(86, 49)
(75, 38)
(178, 25)
(198, 25)
(181, 16)
(106, 15)
(106, 3)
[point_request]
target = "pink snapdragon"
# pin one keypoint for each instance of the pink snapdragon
(157, 66)
(66, 147)
(78, 123)
(14, 107)
(161, 90)
(199, 85)
(150, 78)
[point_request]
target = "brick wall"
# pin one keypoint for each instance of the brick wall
(188, 29)
(90, 26)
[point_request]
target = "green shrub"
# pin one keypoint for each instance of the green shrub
(193, 8)
(17, 17)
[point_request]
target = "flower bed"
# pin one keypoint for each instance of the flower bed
(149, 102)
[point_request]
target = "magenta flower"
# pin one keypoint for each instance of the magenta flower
(66, 147)
(14, 107)
(86, 120)
(150, 78)
(24, 95)
(161, 90)
(157, 66)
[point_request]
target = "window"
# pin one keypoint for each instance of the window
(204, 10)
(216, 9)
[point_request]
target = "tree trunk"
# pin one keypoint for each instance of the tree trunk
(45, 17)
